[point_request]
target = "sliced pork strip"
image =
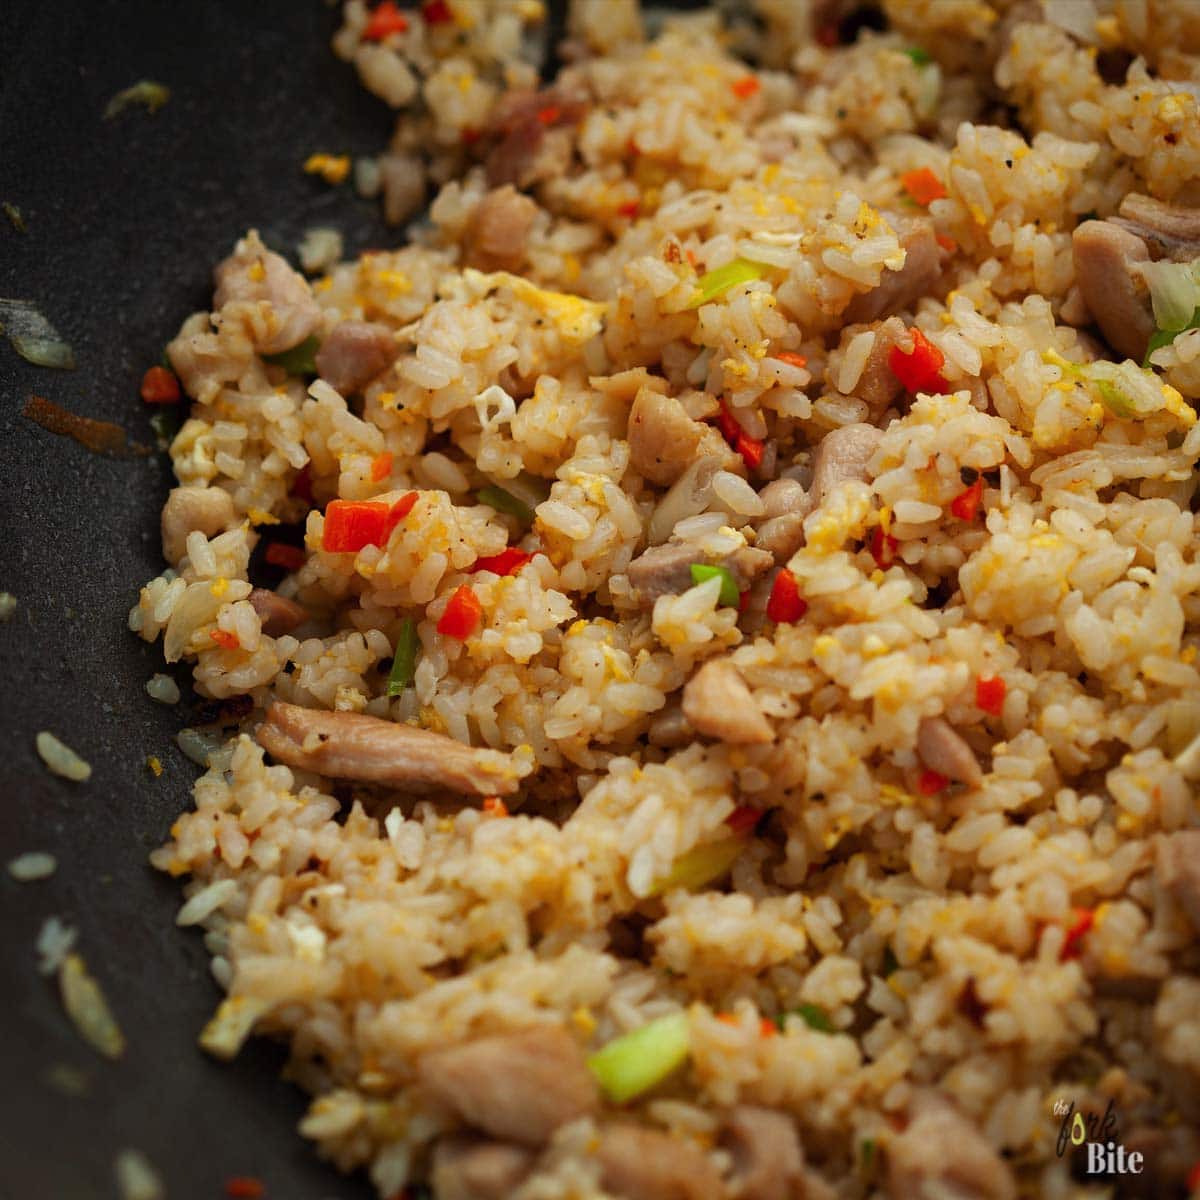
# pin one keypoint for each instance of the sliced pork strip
(1172, 230)
(498, 234)
(943, 749)
(841, 455)
(899, 289)
(1177, 869)
(664, 441)
(877, 386)
(276, 614)
(208, 509)
(354, 353)
(1105, 255)
(469, 1168)
(535, 138)
(519, 1087)
(252, 274)
(667, 569)
(355, 746)
(717, 702)
(638, 1163)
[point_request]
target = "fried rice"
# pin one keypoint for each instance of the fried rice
(705, 654)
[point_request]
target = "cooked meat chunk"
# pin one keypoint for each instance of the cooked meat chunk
(690, 494)
(664, 440)
(942, 1156)
(877, 386)
(943, 750)
(276, 613)
(354, 353)
(1105, 255)
(768, 1160)
(354, 746)
(898, 289)
(253, 274)
(717, 702)
(403, 178)
(645, 1164)
(1170, 230)
(208, 509)
(535, 138)
(468, 1168)
(842, 454)
(669, 728)
(499, 230)
(667, 569)
(782, 531)
(1177, 868)
(519, 1087)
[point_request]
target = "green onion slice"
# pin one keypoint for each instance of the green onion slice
(404, 661)
(701, 865)
(713, 283)
(814, 1016)
(505, 502)
(635, 1062)
(1164, 337)
(702, 573)
(301, 359)
(920, 56)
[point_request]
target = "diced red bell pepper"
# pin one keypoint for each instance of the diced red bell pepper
(767, 1027)
(280, 554)
(159, 386)
(352, 524)
(494, 806)
(244, 1187)
(923, 186)
(965, 506)
(437, 12)
(225, 639)
(462, 614)
(384, 20)
(786, 605)
(744, 818)
(751, 449)
(918, 371)
(990, 693)
(791, 358)
(629, 208)
(946, 242)
(508, 562)
(883, 547)
(381, 466)
(549, 114)
(746, 86)
(929, 783)
(1081, 924)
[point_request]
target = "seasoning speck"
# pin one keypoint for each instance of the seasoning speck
(32, 866)
(61, 759)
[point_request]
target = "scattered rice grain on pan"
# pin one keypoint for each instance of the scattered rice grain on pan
(60, 759)
(32, 865)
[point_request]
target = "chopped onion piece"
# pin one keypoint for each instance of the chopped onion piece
(33, 337)
(163, 689)
(61, 759)
(88, 1009)
(152, 96)
(1174, 292)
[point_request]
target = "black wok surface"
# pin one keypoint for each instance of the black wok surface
(125, 219)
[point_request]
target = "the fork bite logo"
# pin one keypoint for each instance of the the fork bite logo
(1099, 1137)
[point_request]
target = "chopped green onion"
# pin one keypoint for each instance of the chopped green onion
(152, 96)
(814, 1016)
(633, 1063)
(701, 865)
(165, 423)
(1126, 390)
(1164, 337)
(505, 502)
(890, 961)
(919, 55)
(713, 283)
(1174, 292)
(702, 573)
(404, 661)
(301, 359)
(33, 337)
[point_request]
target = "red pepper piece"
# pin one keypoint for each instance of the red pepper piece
(919, 370)
(1083, 920)
(280, 554)
(745, 87)
(437, 12)
(508, 562)
(786, 605)
(744, 818)
(352, 524)
(385, 20)
(629, 208)
(244, 1187)
(225, 639)
(883, 548)
(791, 358)
(462, 614)
(990, 693)
(965, 506)
(159, 386)
(923, 186)
(381, 466)
(929, 783)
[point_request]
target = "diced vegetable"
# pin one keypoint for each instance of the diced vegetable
(883, 547)
(150, 95)
(352, 524)
(1174, 292)
(225, 639)
(702, 865)
(750, 448)
(929, 783)
(743, 819)
(404, 660)
(791, 358)
(33, 337)
(244, 1187)
(702, 573)
(1164, 337)
(505, 502)
(280, 554)
(919, 370)
(635, 1062)
(301, 359)
(923, 186)
(494, 806)
(718, 281)
(814, 1016)
(746, 86)
(381, 466)
(462, 614)
(508, 562)
(786, 605)
(629, 209)
(437, 12)
(946, 242)
(990, 693)
(159, 386)
(384, 20)
(965, 506)
(918, 55)
(165, 423)
(1082, 921)
(1125, 389)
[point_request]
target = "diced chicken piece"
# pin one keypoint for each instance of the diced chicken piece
(208, 509)
(670, 728)
(877, 386)
(1105, 255)
(402, 176)
(942, 1155)
(667, 569)
(498, 233)
(782, 531)
(842, 454)
(535, 137)
(519, 1087)
(638, 1163)
(899, 289)
(943, 750)
(468, 1168)
(276, 613)
(354, 353)
(1177, 868)
(252, 274)
(768, 1160)
(717, 702)
(348, 745)
(664, 440)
